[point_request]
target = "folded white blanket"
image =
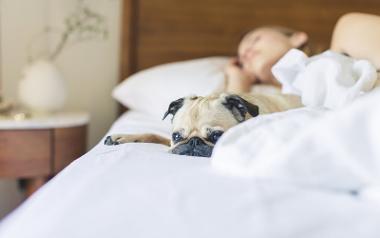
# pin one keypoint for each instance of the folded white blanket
(337, 150)
(328, 80)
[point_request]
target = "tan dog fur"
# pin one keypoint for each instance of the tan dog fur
(199, 116)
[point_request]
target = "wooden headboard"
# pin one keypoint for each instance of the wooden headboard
(160, 31)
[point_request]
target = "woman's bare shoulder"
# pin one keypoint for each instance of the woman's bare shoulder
(356, 34)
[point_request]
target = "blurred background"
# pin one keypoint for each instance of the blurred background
(154, 32)
(90, 68)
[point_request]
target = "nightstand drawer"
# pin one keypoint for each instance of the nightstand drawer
(69, 144)
(25, 153)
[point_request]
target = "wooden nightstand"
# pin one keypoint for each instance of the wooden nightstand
(38, 148)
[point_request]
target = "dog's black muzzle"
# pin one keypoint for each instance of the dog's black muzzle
(194, 147)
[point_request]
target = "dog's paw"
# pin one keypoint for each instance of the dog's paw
(121, 139)
(111, 140)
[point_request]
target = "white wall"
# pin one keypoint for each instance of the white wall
(90, 68)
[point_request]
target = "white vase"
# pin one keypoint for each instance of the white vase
(42, 88)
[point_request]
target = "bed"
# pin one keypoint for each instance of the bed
(312, 173)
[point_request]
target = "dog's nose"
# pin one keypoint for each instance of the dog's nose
(195, 141)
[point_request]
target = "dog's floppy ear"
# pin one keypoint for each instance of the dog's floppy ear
(174, 107)
(240, 107)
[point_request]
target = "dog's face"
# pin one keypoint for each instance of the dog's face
(198, 122)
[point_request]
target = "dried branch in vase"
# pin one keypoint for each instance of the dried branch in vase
(82, 25)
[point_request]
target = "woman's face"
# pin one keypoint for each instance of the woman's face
(261, 49)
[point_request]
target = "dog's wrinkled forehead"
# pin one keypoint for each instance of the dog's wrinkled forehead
(216, 109)
(197, 111)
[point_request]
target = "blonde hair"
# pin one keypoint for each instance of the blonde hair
(288, 32)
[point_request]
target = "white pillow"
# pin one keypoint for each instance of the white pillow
(151, 91)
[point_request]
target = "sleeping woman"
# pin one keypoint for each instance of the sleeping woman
(356, 35)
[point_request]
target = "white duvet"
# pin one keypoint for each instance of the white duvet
(301, 173)
(326, 149)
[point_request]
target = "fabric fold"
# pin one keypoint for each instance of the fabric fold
(328, 80)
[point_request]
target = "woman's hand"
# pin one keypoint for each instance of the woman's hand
(236, 80)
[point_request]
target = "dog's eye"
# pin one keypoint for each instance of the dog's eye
(176, 137)
(214, 136)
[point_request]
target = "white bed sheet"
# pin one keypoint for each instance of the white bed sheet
(140, 190)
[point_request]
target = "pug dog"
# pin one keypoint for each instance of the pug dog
(199, 122)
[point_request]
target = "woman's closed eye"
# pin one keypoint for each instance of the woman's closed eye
(255, 40)
(251, 42)
(249, 49)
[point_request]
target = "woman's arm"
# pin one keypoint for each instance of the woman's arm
(358, 35)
